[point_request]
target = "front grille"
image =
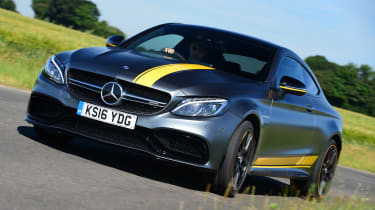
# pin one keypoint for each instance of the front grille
(113, 134)
(86, 86)
(163, 142)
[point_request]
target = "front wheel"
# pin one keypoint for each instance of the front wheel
(238, 159)
(318, 185)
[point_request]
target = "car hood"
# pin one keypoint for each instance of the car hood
(135, 67)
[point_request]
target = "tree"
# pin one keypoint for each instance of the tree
(8, 4)
(347, 86)
(78, 14)
(87, 15)
(366, 73)
(105, 30)
(82, 15)
(40, 8)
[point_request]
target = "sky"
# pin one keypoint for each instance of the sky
(341, 30)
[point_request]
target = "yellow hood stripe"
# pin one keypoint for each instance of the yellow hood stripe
(150, 76)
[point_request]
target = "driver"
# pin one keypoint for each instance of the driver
(197, 51)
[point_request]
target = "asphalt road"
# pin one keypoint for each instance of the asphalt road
(43, 174)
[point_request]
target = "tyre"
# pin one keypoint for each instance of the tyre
(319, 183)
(238, 159)
(49, 135)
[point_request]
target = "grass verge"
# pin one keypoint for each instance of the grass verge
(358, 156)
(26, 44)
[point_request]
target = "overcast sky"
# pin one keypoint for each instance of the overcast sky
(341, 30)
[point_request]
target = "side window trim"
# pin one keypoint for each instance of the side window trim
(315, 82)
(279, 66)
(308, 73)
(312, 79)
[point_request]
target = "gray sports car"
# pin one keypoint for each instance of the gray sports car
(225, 103)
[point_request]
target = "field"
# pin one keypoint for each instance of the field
(359, 140)
(26, 43)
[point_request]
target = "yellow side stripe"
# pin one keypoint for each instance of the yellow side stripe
(281, 167)
(307, 160)
(286, 161)
(294, 89)
(150, 76)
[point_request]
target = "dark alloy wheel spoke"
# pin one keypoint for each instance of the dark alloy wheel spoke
(243, 160)
(328, 170)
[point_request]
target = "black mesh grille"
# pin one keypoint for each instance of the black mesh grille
(44, 107)
(93, 96)
(182, 145)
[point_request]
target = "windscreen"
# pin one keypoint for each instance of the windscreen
(222, 50)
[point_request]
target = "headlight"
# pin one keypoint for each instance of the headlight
(54, 70)
(201, 107)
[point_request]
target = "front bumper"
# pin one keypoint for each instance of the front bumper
(204, 139)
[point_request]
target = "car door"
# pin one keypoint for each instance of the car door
(291, 123)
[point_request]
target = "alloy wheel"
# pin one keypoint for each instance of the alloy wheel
(243, 159)
(328, 169)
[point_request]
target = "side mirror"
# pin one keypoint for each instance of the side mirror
(114, 40)
(292, 86)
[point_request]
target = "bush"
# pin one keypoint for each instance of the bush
(8, 4)
(104, 30)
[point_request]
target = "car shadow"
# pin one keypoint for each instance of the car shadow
(147, 167)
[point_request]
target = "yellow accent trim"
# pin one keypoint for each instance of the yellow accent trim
(244, 135)
(111, 45)
(150, 76)
(294, 89)
(307, 160)
(285, 161)
(281, 167)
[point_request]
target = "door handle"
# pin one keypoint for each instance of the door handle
(309, 108)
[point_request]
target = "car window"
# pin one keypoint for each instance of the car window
(291, 68)
(246, 64)
(310, 84)
(160, 42)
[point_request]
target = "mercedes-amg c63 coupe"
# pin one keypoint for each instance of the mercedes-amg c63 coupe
(226, 103)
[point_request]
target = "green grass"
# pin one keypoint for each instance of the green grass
(247, 200)
(359, 141)
(26, 44)
(358, 156)
(358, 128)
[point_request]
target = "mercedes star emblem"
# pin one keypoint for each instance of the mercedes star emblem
(111, 93)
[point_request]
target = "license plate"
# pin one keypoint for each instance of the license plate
(106, 115)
